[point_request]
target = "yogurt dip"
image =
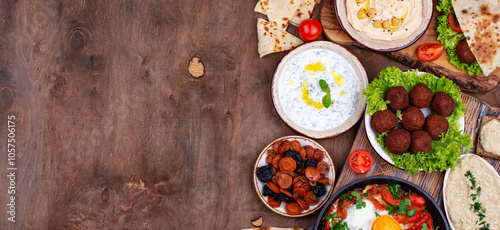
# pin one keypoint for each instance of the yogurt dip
(385, 19)
(301, 96)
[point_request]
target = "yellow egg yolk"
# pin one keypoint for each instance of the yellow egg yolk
(385, 222)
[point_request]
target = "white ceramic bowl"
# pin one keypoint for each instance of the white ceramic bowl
(355, 74)
(488, 166)
(261, 161)
(381, 45)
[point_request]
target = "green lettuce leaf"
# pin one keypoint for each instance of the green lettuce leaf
(450, 38)
(445, 152)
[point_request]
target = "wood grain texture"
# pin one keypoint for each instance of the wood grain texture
(430, 182)
(409, 57)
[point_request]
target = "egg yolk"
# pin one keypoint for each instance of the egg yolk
(385, 222)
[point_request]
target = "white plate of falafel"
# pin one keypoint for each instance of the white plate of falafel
(414, 120)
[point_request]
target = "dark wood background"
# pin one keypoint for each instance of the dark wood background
(113, 133)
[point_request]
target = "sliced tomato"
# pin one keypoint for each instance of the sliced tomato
(452, 20)
(430, 52)
(360, 161)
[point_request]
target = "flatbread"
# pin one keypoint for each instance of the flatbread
(279, 12)
(304, 11)
(480, 22)
(273, 39)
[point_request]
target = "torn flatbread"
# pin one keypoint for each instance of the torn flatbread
(304, 11)
(273, 39)
(280, 12)
(480, 22)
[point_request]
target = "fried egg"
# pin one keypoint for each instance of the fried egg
(368, 218)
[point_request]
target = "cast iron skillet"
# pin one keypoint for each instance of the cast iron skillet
(438, 217)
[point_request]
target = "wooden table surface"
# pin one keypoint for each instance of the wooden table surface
(111, 132)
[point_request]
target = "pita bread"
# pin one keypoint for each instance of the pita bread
(304, 11)
(480, 22)
(273, 39)
(279, 12)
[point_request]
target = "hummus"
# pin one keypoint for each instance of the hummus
(458, 193)
(385, 19)
(490, 137)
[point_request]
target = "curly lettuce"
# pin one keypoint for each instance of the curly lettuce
(445, 152)
(450, 38)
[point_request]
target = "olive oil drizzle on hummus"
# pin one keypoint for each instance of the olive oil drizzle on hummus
(477, 206)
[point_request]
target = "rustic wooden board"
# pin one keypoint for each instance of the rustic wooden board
(430, 182)
(408, 56)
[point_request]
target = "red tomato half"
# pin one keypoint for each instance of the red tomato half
(360, 161)
(310, 30)
(430, 52)
(452, 20)
(416, 200)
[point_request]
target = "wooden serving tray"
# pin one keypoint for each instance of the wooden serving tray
(408, 56)
(430, 182)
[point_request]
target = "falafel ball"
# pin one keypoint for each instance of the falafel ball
(443, 104)
(436, 124)
(412, 118)
(464, 53)
(383, 121)
(421, 95)
(398, 98)
(398, 141)
(421, 141)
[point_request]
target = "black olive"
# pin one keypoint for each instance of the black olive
(265, 173)
(283, 198)
(319, 190)
(294, 155)
(310, 163)
(266, 191)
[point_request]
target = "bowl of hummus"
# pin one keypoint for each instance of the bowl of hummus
(384, 25)
(471, 194)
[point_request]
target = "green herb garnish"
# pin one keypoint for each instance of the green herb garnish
(477, 207)
(366, 194)
(403, 206)
(327, 99)
(394, 189)
(341, 225)
(424, 227)
(411, 213)
(334, 215)
(391, 209)
(359, 202)
(376, 214)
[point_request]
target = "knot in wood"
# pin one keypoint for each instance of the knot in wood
(6, 99)
(196, 68)
(77, 39)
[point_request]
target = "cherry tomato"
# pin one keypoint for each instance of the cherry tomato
(416, 200)
(310, 30)
(360, 161)
(430, 52)
(452, 20)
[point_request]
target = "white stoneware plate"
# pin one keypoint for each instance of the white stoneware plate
(348, 101)
(488, 166)
(381, 45)
(261, 161)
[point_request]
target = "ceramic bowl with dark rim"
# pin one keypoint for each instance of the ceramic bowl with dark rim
(310, 108)
(388, 45)
(259, 185)
(438, 217)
